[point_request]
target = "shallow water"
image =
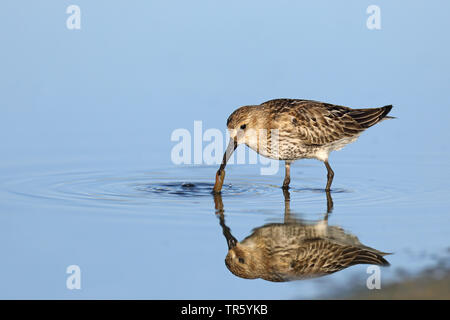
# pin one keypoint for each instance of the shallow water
(143, 234)
(85, 124)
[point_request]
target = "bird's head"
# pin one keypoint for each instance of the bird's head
(243, 124)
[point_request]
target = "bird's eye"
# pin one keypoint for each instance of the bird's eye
(243, 126)
(241, 260)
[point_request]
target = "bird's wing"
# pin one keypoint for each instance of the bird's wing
(318, 123)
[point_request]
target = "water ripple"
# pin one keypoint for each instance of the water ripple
(137, 188)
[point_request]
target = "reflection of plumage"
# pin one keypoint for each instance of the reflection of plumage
(295, 249)
(283, 252)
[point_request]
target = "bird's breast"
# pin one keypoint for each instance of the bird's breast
(281, 147)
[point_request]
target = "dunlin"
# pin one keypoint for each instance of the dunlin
(292, 129)
(295, 249)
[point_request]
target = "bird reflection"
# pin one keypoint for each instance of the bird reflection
(295, 249)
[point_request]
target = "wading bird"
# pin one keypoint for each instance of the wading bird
(292, 129)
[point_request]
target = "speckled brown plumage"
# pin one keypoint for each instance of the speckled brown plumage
(291, 129)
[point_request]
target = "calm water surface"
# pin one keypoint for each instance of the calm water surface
(157, 234)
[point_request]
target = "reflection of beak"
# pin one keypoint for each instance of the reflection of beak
(231, 241)
(220, 175)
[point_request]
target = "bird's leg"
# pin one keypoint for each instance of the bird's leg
(330, 175)
(287, 205)
(287, 175)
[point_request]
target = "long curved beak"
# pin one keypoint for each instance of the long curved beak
(220, 175)
(232, 145)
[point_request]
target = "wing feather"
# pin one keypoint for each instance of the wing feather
(318, 123)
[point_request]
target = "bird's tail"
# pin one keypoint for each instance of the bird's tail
(371, 116)
(371, 257)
